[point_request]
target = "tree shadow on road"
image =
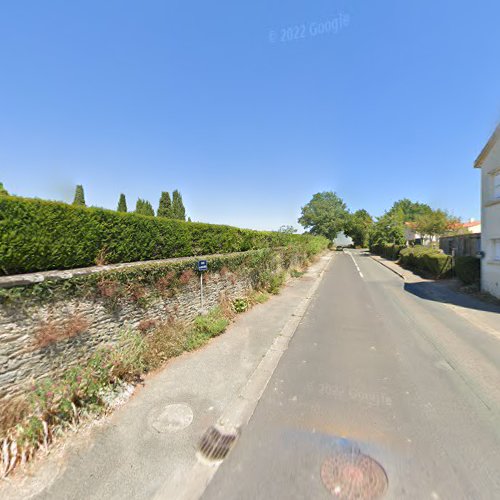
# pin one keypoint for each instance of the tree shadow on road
(441, 292)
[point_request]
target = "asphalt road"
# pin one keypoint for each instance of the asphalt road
(374, 371)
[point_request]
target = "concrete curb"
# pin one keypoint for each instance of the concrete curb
(240, 410)
(402, 276)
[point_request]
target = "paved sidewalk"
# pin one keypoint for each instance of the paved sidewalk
(403, 273)
(483, 315)
(152, 439)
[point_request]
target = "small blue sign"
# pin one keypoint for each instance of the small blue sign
(202, 265)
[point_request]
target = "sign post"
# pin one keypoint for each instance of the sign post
(202, 267)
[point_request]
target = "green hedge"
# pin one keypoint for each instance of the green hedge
(386, 250)
(428, 261)
(37, 235)
(468, 269)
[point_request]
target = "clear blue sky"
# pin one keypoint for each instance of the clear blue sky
(140, 97)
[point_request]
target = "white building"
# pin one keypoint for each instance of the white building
(489, 163)
(414, 238)
(470, 227)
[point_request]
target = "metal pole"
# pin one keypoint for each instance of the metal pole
(201, 289)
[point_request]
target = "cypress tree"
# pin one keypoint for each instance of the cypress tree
(148, 208)
(79, 196)
(3, 191)
(165, 206)
(178, 210)
(143, 207)
(122, 204)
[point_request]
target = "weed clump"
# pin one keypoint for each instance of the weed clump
(205, 327)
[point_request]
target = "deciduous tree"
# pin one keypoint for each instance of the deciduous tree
(387, 230)
(358, 227)
(3, 191)
(435, 223)
(406, 210)
(287, 229)
(326, 215)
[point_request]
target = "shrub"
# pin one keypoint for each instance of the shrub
(389, 251)
(468, 269)
(428, 261)
(37, 235)
(276, 281)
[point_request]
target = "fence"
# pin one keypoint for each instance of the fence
(465, 245)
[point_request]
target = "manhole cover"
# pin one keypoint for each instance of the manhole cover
(353, 476)
(215, 445)
(174, 417)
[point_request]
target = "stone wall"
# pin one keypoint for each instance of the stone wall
(83, 322)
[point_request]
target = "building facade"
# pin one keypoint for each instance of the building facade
(489, 163)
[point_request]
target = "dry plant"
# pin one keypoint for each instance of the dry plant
(164, 342)
(51, 331)
(146, 325)
(226, 306)
(164, 284)
(101, 258)
(186, 276)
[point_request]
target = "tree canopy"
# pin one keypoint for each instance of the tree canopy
(359, 226)
(387, 230)
(434, 223)
(3, 191)
(287, 229)
(406, 210)
(326, 215)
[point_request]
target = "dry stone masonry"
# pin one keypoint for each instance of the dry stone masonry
(43, 338)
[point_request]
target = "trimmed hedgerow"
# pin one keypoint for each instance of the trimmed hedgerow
(468, 269)
(38, 235)
(429, 261)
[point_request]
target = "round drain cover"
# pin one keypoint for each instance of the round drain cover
(353, 476)
(174, 417)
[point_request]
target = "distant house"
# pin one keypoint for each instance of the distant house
(489, 163)
(471, 227)
(412, 237)
(463, 228)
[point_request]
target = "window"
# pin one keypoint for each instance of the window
(496, 249)
(496, 186)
